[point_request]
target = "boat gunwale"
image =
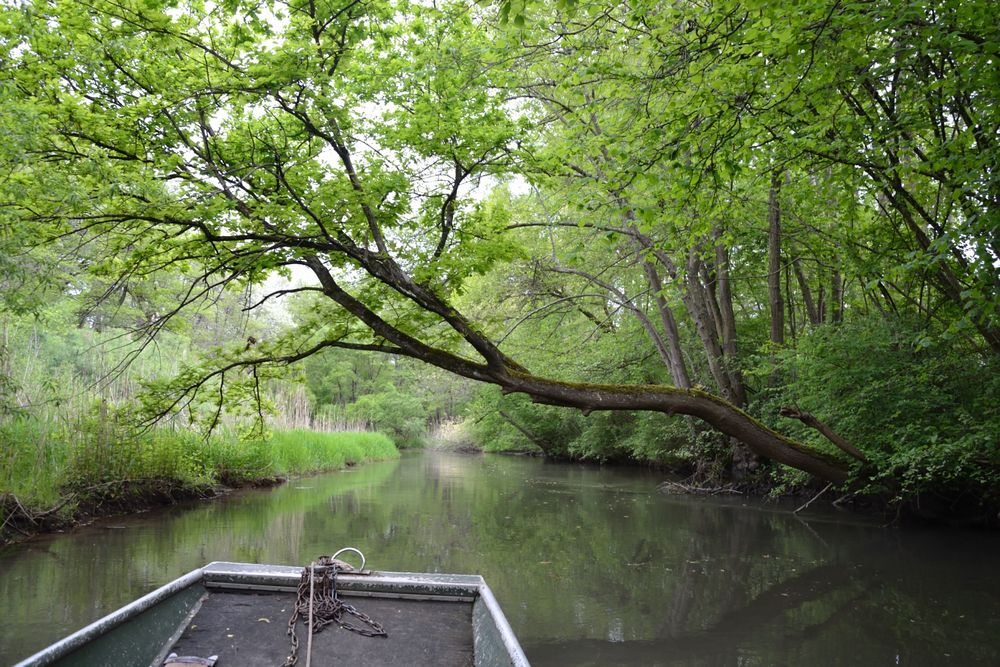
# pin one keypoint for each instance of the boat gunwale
(507, 636)
(107, 623)
(465, 586)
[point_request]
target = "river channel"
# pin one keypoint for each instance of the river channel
(592, 565)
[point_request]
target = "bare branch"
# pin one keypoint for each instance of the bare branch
(809, 420)
(280, 292)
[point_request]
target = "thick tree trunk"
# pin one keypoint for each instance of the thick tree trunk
(697, 307)
(807, 297)
(745, 461)
(696, 300)
(675, 355)
(836, 297)
(727, 343)
(775, 303)
(710, 279)
(790, 303)
(729, 346)
(715, 411)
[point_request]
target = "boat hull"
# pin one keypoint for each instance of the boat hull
(240, 611)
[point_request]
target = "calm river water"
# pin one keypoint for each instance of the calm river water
(591, 565)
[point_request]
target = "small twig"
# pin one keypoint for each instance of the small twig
(813, 499)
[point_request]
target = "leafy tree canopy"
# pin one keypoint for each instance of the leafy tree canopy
(692, 168)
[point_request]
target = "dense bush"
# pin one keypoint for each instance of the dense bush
(923, 410)
(401, 416)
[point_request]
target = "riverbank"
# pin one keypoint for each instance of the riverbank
(954, 507)
(49, 484)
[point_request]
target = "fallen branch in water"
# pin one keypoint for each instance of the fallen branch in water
(678, 487)
(813, 499)
(35, 517)
(847, 496)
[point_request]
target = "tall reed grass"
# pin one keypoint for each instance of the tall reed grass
(44, 462)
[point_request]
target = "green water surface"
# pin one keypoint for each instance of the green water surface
(591, 565)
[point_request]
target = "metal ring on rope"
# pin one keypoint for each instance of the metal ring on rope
(357, 551)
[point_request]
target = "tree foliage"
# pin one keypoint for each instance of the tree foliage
(706, 187)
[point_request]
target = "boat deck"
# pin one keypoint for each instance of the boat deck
(250, 629)
(240, 612)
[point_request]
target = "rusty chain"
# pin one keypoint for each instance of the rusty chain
(327, 607)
